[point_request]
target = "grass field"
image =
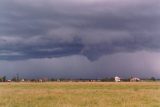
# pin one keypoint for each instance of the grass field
(78, 94)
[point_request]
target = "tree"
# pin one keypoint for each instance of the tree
(4, 78)
(14, 79)
(1, 79)
(107, 79)
(52, 79)
(153, 78)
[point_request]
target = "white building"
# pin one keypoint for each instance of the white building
(22, 80)
(117, 79)
(9, 80)
(135, 79)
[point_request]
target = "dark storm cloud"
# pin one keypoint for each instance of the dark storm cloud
(51, 28)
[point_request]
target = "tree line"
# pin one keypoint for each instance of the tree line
(18, 79)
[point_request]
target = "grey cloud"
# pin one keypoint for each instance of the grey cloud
(46, 29)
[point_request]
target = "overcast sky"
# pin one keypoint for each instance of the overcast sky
(80, 38)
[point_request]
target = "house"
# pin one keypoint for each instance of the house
(117, 79)
(9, 80)
(40, 80)
(22, 80)
(135, 79)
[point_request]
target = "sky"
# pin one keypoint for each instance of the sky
(80, 38)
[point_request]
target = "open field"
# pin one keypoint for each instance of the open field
(78, 94)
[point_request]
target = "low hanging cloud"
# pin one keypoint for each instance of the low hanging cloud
(92, 28)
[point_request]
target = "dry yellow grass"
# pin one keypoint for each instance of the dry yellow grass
(80, 94)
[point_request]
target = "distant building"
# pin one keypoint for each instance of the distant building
(22, 80)
(40, 80)
(58, 80)
(117, 79)
(9, 80)
(135, 79)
